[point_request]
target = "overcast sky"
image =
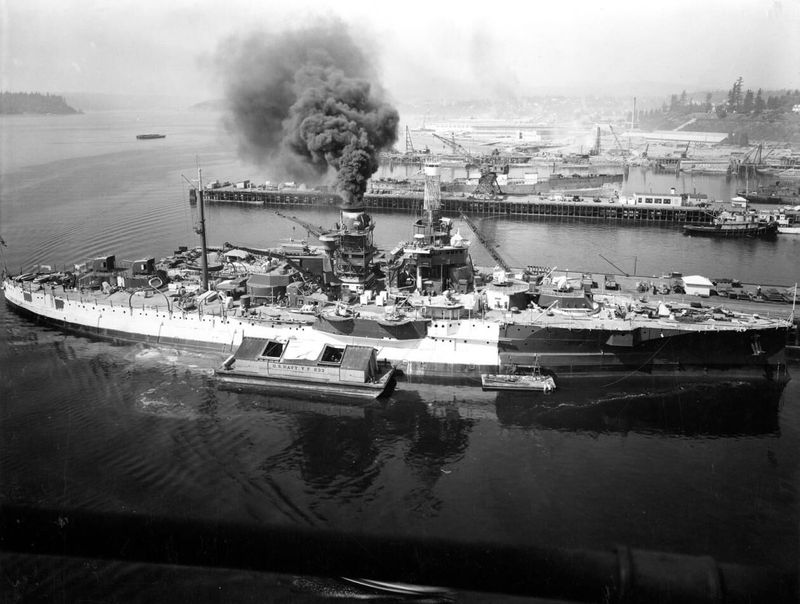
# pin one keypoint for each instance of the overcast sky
(424, 49)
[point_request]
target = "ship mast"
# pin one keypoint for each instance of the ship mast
(202, 230)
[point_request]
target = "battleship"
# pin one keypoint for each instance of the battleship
(422, 307)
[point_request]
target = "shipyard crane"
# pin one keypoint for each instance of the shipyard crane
(409, 143)
(486, 244)
(312, 230)
(456, 148)
(755, 157)
(616, 138)
(487, 184)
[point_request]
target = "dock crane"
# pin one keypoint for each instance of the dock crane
(409, 143)
(454, 146)
(616, 138)
(487, 184)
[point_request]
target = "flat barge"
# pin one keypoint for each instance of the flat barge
(534, 207)
(345, 371)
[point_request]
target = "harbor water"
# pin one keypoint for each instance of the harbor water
(118, 427)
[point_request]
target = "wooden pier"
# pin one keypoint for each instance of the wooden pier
(528, 207)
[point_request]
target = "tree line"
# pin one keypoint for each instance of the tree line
(33, 102)
(737, 100)
(754, 104)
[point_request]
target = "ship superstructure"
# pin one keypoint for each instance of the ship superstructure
(436, 260)
(352, 249)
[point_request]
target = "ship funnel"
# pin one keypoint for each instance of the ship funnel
(355, 219)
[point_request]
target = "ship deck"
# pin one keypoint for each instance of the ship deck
(628, 286)
(747, 314)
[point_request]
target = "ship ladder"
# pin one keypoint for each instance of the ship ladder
(755, 345)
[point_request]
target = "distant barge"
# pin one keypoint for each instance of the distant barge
(149, 136)
(529, 207)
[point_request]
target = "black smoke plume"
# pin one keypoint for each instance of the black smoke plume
(306, 101)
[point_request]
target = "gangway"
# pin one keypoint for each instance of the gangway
(486, 244)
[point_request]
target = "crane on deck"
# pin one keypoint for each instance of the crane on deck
(309, 279)
(312, 230)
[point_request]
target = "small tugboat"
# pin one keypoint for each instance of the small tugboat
(789, 223)
(734, 224)
(534, 381)
(350, 371)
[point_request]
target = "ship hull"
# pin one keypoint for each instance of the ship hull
(766, 199)
(745, 230)
(246, 381)
(655, 352)
(462, 356)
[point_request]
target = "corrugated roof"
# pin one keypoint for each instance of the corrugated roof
(251, 348)
(356, 357)
(686, 136)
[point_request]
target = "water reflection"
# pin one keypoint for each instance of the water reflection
(701, 409)
(343, 448)
(434, 440)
